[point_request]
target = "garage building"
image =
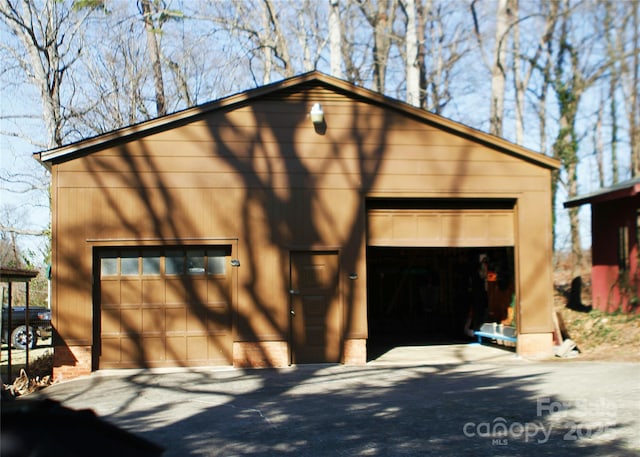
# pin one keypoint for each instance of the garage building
(291, 224)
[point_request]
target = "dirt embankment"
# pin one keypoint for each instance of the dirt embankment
(599, 336)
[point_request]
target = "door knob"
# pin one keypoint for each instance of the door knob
(293, 313)
(294, 292)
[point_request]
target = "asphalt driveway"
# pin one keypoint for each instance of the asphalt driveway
(413, 401)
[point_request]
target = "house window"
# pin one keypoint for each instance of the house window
(623, 248)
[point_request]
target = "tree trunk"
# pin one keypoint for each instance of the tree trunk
(569, 86)
(381, 20)
(497, 69)
(422, 60)
(335, 39)
(154, 54)
(276, 48)
(614, 49)
(412, 43)
(519, 84)
(634, 108)
(598, 143)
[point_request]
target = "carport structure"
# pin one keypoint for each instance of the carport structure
(10, 276)
(254, 230)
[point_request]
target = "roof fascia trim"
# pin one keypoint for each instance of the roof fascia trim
(158, 123)
(605, 195)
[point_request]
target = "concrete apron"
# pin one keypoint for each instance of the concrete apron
(444, 354)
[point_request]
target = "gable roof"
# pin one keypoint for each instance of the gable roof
(88, 145)
(617, 191)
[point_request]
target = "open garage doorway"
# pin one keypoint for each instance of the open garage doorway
(423, 296)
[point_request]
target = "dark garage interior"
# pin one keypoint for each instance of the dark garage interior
(420, 296)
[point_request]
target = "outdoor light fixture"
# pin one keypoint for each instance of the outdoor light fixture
(317, 115)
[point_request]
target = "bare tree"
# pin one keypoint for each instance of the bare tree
(380, 15)
(526, 59)
(573, 74)
(265, 33)
(118, 72)
(49, 40)
(354, 56)
(444, 47)
(614, 49)
(497, 63)
(154, 15)
(42, 44)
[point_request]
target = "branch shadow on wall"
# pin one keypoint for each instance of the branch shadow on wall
(135, 198)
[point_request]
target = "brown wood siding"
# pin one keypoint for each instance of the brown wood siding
(534, 267)
(261, 174)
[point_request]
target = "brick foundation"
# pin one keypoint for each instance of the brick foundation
(535, 345)
(355, 352)
(71, 361)
(265, 354)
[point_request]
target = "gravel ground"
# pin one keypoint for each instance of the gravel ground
(414, 401)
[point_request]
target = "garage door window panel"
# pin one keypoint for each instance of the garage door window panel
(175, 263)
(109, 264)
(151, 263)
(216, 262)
(129, 264)
(195, 262)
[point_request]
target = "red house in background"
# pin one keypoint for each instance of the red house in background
(615, 218)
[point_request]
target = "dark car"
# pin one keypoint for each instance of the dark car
(18, 334)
